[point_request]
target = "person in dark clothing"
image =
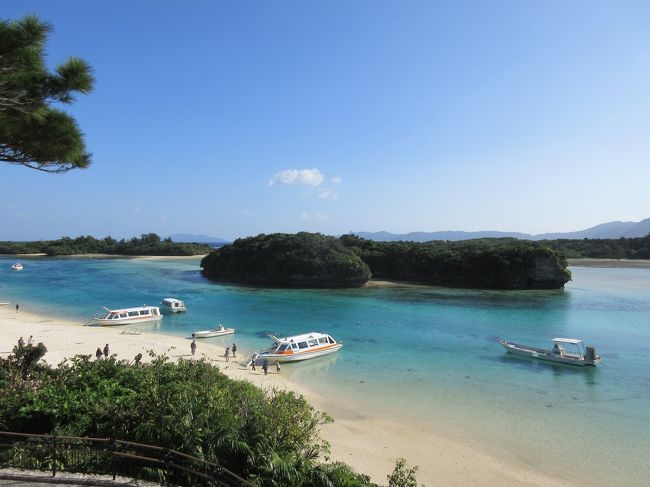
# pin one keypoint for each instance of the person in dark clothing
(106, 351)
(265, 366)
(234, 351)
(17, 307)
(193, 346)
(21, 342)
(98, 353)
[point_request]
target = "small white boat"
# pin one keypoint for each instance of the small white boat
(579, 355)
(4, 303)
(128, 316)
(217, 332)
(173, 305)
(298, 347)
(17, 266)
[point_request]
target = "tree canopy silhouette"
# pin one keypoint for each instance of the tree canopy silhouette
(33, 133)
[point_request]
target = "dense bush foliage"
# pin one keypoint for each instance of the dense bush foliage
(298, 260)
(147, 244)
(603, 248)
(488, 263)
(269, 437)
(314, 260)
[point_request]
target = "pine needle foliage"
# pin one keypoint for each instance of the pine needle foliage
(33, 132)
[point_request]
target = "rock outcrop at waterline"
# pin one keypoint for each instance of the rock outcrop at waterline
(310, 260)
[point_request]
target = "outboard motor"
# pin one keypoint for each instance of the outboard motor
(590, 355)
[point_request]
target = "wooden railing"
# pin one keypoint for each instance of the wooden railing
(107, 456)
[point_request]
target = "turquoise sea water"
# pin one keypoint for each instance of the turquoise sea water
(428, 354)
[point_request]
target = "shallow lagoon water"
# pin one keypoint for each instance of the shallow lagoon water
(423, 354)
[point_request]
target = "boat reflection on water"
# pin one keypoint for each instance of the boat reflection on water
(309, 369)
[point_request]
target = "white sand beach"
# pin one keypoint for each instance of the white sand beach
(368, 443)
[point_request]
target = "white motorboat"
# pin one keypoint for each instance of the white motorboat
(298, 347)
(5, 303)
(128, 316)
(578, 355)
(217, 332)
(173, 305)
(17, 266)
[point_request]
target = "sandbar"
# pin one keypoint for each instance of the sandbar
(619, 263)
(368, 442)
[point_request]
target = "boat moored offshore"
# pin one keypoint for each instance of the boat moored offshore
(173, 305)
(17, 266)
(298, 347)
(128, 316)
(579, 355)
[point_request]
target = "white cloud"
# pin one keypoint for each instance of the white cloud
(328, 194)
(336, 179)
(246, 212)
(313, 216)
(309, 177)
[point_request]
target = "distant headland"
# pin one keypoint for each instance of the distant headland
(147, 244)
(311, 260)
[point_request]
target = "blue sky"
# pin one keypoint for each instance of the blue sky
(245, 117)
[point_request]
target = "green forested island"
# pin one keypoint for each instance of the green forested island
(315, 260)
(147, 244)
(602, 248)
(288, 260)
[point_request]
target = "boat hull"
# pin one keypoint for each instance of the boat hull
(296, 357)
(546, 355)
(213, 333)
(126, 321)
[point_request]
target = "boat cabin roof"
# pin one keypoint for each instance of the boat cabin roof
(123, 310)
(572, 341)
(300, 338)
(172, 300)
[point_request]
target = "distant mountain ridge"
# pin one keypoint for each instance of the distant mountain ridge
(604, 230)
(193, 238)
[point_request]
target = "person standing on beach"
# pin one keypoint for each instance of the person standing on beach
(106, 351)
(277, 366)
(17, 307)
(30, 342)
(98, 353)
(227, 354)
(265, 366)
(193, 346)
(21, 342)
(234, 350)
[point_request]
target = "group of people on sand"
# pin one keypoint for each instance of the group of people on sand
(265, 364)
(30, 341)
(106, 352)
(233, 350)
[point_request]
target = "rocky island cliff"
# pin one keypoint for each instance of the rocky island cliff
(311, 260)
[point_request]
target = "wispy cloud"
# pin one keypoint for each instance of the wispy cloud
(336, 179)
(327, 194)
(308, 177)
(313, 216)
(247, 213)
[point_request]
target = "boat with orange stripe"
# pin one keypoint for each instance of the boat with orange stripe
(298, 347)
